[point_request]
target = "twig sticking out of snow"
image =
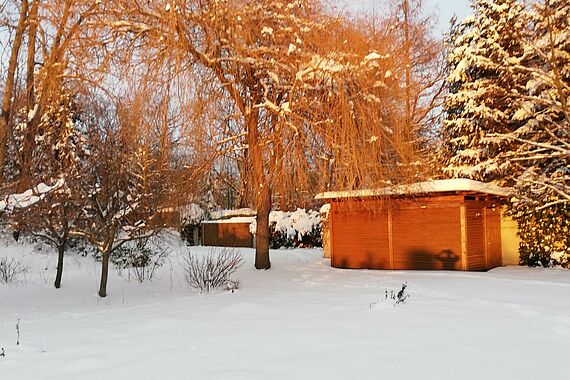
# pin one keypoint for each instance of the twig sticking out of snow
(18, 332)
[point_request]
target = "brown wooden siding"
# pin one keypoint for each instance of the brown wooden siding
(359, 239)
(493, 237)
(476, 255)
(419, 233)
(427, 238)
(227, 235)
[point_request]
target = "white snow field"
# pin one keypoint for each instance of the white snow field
(300, 320)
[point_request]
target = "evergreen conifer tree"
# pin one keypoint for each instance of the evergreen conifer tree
(478, 104)
(507, 115)
(541, 201)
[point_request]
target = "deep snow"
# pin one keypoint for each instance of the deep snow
(300, 320)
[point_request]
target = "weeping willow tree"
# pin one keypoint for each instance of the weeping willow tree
(308, 101)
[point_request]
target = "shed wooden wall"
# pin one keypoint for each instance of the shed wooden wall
(427, 238)
(441, 233)
(493, 237)
(227, 235)
(359, 237)
(476, 250)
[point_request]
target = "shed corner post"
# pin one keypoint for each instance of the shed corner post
(463, 220)
(331, 231)
(390, 238)
(486, 237)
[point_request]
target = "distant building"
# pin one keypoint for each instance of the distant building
(229, 228)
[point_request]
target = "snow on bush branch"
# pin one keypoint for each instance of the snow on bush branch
(192, 214)
(293, 224)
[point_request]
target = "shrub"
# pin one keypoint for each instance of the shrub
(213, 270)
(141, 257)
(290, 229)
(83, 247)
(545, 236)
(10, 269)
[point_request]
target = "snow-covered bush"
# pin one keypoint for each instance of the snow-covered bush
(232, 285)
(298, 228)
(83, 248)
(213, 270)
(545, 235)
(140, 257)
(10, 269)
(190, 218)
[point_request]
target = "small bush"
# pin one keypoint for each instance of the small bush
(10, 269)
(213, 270)
(141, 257)
(232, 285)
(545, 235)
(83, 248)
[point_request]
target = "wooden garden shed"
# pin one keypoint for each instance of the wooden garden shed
(441, 225)
(231, 232)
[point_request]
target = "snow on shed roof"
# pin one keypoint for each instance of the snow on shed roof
(438, 186)
(222, 214)
(235, 219)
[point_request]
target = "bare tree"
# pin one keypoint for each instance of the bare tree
(420, 69)
(44, 141)
(131, 170)
(58, 157)
(5, 117)
(313, 94)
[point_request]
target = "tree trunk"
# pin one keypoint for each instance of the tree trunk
(31, 62)
(59, 273)
(261, 191)
(104, 272)
(61, 250)
(262, 232)
(29, 133)
(407, 62)
(7, 100)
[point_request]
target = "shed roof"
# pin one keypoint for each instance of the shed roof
(224, 214)
(437, 186)
(235, 219)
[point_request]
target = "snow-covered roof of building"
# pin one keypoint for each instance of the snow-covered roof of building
(222, 214)
(438, 186)
(235, 219)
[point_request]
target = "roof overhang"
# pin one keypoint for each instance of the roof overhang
(458, 185)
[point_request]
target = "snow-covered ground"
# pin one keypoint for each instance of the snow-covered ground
(300, 320)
